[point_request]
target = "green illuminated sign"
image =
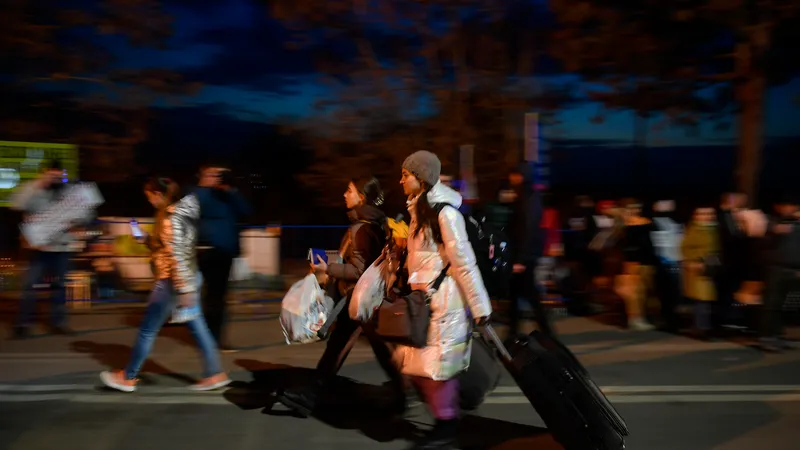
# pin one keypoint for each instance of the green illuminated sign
(22, 161)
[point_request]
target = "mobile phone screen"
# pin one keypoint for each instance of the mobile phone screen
(135, 230)
(313, 253)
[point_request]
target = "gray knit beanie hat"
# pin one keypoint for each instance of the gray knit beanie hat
(425, 166)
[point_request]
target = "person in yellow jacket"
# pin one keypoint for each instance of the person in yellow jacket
(700, 251)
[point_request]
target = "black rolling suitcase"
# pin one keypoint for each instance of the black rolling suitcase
(574, 409)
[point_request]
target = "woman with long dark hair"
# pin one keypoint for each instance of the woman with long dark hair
(172, 244)
(361, 245)
(639, 267)
(438, 241)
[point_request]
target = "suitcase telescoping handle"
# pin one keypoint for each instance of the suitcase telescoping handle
(491, 336)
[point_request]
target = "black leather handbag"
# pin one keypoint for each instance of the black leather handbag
(404, 319)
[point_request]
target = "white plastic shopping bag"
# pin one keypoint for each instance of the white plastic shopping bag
(304, 310)
(370, 290)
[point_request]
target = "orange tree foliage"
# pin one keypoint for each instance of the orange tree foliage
(62, 82)
(412, 74)
(692, 60)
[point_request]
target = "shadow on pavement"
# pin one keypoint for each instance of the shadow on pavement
(116, 356)
(350, 405)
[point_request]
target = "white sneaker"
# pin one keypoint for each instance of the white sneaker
(217, 381)
(116, 380)
(640, 325)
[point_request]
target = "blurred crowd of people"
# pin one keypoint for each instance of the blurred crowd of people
(726, 262)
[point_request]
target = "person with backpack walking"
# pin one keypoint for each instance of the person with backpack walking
(361, 246)
(438, 242)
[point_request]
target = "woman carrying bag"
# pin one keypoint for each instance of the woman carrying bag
(360, 247)
(438, 245)
(172, 244)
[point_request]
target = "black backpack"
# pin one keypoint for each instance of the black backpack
(492, 253)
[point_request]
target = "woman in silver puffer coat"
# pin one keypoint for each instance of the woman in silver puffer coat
(437, 237)
(172, 244)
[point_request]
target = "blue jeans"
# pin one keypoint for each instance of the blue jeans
(41, 264)
(159, 309)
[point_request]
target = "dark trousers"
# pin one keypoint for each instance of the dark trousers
(780, 281)
(42, 264)
(668, 285)
(727, 283)
(215, 266)
(524, 289)
(342, 339)
(702, 315)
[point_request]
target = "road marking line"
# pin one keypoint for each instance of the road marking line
(43, 387)
(639, 399)
(113, 398)
(675, 389)
(609, 390)
(290, 351)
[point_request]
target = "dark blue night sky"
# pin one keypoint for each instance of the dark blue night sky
(237, 51)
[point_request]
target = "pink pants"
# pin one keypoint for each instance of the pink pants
(440, 396)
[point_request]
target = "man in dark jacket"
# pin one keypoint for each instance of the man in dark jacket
(221, 209)
(783, 272)
(527, 246)
(731, 238)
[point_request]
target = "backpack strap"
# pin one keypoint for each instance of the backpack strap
(440, 206)
(438, 281)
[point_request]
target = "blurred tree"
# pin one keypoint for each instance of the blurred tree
(412, 74)
(692, 60)
(62, 83)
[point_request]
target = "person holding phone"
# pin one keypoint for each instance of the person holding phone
(172, 244)
(52, 259)
(222, 207)
(361, 245)
(136, 231)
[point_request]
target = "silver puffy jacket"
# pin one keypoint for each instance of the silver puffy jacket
(448, 349)
(174, 249)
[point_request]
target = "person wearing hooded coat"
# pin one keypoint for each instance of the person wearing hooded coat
(360, 247)
(438, 241)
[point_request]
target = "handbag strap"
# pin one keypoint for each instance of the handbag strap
(438, 281)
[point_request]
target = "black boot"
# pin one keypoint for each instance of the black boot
(301, 400)
(62, 330)
(441, 437)
(21, 332)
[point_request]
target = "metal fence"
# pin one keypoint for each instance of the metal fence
(297, 239)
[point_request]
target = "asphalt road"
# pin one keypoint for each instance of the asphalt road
(675, 393)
